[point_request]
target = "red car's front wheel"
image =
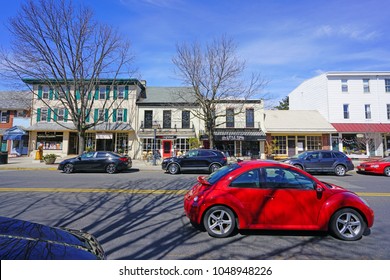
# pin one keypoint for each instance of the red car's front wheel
(347, 224)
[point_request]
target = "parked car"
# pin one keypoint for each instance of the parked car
(23, 240)
(196, 160)
(322, 161)
(379, 166)
(274, 196)
(109, 162)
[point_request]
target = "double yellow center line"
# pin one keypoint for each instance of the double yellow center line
(88, 190)
(137, 191)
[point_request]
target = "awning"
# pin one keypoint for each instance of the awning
(362, 127)
(14, 133)
(13, 136)
(239, 135)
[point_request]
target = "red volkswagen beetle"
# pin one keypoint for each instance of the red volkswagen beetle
(274, 196)
(380, 166)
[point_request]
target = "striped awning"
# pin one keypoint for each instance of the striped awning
(239, 135)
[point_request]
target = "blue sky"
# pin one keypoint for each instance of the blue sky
(286, 41)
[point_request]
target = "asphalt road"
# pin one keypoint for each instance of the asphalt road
(139, 215)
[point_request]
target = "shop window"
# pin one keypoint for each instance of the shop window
(280, 145)
(182, 145)
(314, 143)
(122, 142)
(148, 144)
(50, 140)
(90, 141)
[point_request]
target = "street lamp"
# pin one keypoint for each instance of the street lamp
(155, 126)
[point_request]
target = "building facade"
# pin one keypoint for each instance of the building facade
(14, 119)
(357, 104)
(112, 109)
(291, 132)
(134, 119)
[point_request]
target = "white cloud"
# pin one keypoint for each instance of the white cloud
(348, 31)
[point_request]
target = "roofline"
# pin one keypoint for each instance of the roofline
(357, 73)
(99, 81)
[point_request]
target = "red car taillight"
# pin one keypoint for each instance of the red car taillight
(123, 159)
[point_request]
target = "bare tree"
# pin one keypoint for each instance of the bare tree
(214, 74)
(57, 44)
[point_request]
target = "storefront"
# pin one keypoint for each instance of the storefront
(362, 140)
(240, 142)
(17, 141)
(116, 137)
(166, 145)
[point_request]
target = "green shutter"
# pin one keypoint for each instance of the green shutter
(48, 115)
(96, 93)
(55, 114)
(126, 92)
(50, 94)
(124, 115)
(38, 114)
(88, 112)
(108, 92)
(115, 92)
(96, 115)
(78, 97)
(114, 115)
(66, 115)
(39, 92)
(106, 115)
(89, 95)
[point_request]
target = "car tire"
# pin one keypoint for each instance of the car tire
(173, 169)
(219, 221)
(340, 170)
(347, 224)
(68, 168)
(298, 166)
(111, 168)
(214, 167)
(387, 171)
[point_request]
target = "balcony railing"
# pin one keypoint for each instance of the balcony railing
(173, 125)
(242, 124)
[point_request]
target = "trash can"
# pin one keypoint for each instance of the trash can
(3, 158)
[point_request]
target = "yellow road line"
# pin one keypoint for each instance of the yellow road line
(372, 194)
(136, 191)
(78, 190)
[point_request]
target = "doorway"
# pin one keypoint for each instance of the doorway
(104, 145)
(167, 146)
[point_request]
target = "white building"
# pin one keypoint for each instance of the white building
(357, 104)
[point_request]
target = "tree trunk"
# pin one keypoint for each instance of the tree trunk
(81, 134)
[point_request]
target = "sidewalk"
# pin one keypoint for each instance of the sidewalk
(28, 163)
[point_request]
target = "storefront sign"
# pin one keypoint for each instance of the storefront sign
(166, 136)
(233, 138)
(103, 135)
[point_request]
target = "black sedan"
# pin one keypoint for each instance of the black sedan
(23, 240)
(109, 162)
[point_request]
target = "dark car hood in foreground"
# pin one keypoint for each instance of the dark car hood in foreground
(25, 240)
